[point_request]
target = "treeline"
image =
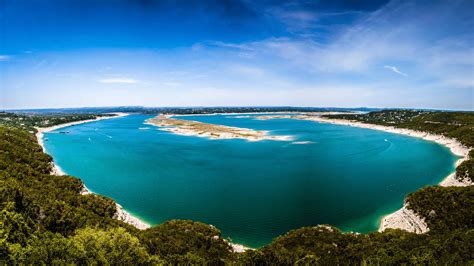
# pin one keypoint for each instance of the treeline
(444, 208)
(29, 121)
(187, 110)
(45, 220)
(257, 109)
(458, 125)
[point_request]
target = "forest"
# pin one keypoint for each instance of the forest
(44, 219)
(457, 125)
(29, 121)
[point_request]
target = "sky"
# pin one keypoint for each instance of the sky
(330, 53)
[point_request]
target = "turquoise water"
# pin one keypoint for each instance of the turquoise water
(252, 191)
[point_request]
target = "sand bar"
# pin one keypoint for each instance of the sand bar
(211, 131)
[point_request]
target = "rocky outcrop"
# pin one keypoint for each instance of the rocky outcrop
(404, 219)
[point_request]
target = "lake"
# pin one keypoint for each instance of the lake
(252, 191)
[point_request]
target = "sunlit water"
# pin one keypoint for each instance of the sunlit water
(252, 191)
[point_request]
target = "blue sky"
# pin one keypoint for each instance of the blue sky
(73, 53)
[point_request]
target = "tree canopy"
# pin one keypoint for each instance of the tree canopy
(44, 219)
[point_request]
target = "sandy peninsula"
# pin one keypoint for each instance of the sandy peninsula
(120, 214)
(212, 131)
(41, 130)
(404, 218)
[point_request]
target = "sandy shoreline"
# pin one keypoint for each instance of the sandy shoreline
(41, 130)
(263, 113)
(120, 214)
(405, 218)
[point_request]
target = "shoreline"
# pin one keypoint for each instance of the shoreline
(121, 214)
(402, 218)
(405, 218)
(263, 113)
(210, 131)
(453, 145)
(41, 130)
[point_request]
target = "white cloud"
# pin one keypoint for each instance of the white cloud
(172, 84)
(231, 45)
(300, 19)
(4, 58)
(248, 70)
(394, 69)
(118, 81)
(390, 34)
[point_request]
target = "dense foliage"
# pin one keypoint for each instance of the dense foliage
(44, 219)
(444, 208)
(183, 110)
(197, 241)
(458, 125)
(29, 121)
(328, 246)
(465, 171)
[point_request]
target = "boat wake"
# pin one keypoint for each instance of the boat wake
(302, 142)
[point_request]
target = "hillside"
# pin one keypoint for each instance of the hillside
(458, 125)
(45, 220)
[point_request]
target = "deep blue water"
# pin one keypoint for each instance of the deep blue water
(252, 191)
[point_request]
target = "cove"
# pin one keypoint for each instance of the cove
(252, 191)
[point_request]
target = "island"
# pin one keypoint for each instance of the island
(49, 219)
(212, 131)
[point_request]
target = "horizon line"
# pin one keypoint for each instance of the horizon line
(232, 106)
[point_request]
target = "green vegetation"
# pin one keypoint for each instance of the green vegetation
(198, 242)
(444, 208)
(44, 219)
(328, 246)
(465, 171)
(458, 125)
(30, 121)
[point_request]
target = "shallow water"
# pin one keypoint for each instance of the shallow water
(252, 191)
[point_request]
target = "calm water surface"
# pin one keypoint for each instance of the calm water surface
(252, 191)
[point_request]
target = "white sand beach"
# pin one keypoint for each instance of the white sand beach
(403, 218)
(41, 130)
(120, 214)
(211, 131)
